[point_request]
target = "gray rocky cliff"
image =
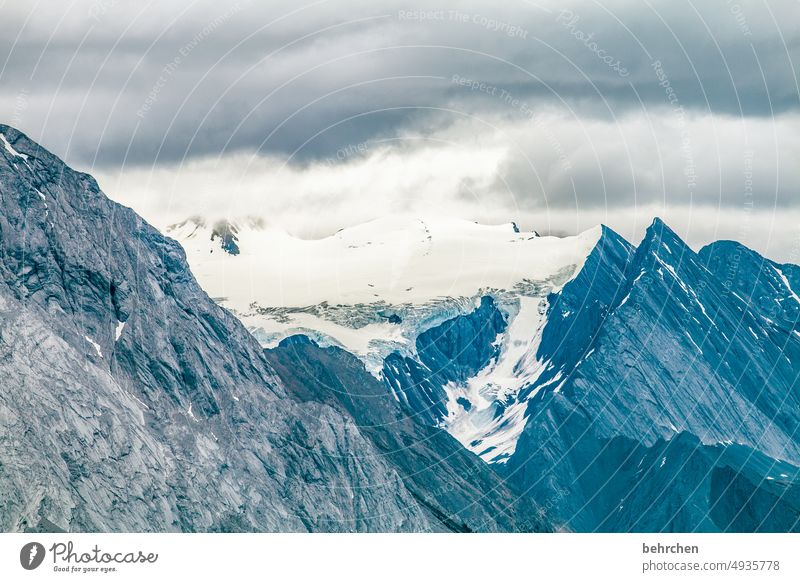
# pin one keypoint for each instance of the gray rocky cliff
(130, 401)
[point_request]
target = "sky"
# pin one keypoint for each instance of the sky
(315, 116)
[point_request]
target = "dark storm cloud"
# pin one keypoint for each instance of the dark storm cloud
(103, 81)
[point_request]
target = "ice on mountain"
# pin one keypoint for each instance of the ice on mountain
(119, 329)
(95, 345)
(10, 149)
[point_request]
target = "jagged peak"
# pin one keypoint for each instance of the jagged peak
(611, 249)
(224, 233)
(660, 251)
(609, 236)
(752, 275)
(665, 244)
(661, 231)
(729, 250)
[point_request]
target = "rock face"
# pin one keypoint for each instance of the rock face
(454, 351)
(131, 402)
(451, 493)
(675, 485)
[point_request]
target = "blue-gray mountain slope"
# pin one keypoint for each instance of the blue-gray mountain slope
(652, 348)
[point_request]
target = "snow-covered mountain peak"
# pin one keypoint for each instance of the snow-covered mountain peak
(391, 260)
(209, 236)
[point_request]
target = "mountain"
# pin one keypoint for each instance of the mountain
(131, 401)
(601, 379)
(440, 474)
(676, 353)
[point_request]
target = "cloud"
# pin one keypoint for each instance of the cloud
(554, 175)
(656, 158)
(102, 84)
(548, 112)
